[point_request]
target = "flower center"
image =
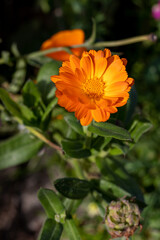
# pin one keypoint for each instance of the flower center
(94, 88)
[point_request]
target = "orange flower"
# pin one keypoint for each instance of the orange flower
(64, 39)
(93, 86)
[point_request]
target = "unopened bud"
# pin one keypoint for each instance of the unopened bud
(122, 218)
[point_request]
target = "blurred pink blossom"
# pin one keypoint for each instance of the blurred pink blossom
(156, 11)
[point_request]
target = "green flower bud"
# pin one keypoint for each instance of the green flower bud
(122, 218)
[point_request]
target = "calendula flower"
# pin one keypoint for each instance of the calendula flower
(64, 39)
(93, 86)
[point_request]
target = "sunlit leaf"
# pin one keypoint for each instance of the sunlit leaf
(18, 149)
(71, 230)
(11, 106)
(74, 124)
(49, 108)
(138, 128)
(51, 204)
(51, 230)
(109, 130)
(31, 94)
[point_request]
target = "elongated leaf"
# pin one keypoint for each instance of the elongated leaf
(31, 94)
(49, 108)
(113, 171)
(51, 230)
(51, 204)
(74, 124)
(139, 128)
(118, 149)
(110, 130)
(27, 113)
(19, 75)
(71, 230)
(45, 85)
(75, 149)
(111, 188)
(18, 149)
(73, 188)
(11, 106)
(97, 143)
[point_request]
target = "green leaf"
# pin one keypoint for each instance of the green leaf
(45, 85)
(118, 149)
(52, 204)
(75, 149)
(18, 149)
(31, 94)
(138, 128)
(51, 230)
(97, 143)
(71, 230)
(74, 124)
(11, 106)
(73, 188)
(111, 188)
(109, 130)
(49, 108)
(18, 77)
(27, 113)
(113, 171)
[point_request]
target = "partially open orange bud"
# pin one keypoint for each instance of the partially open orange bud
(65, 38)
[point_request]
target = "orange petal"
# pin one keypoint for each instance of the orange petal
(130, 81)
(124, 60)
(87, 119)
(116, 89)
(64, 39)
(86, 64)
(100, 115)
(100, 67)
(55, 78)
(107, 53)
(74, 62)
(80, 111)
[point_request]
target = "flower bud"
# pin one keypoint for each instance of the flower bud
(122, 218)
(156, 11)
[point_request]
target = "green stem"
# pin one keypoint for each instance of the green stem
(41, 136)
(47, 51)
(77, 168)
(89, 45)
(150, 37)
(44, 139)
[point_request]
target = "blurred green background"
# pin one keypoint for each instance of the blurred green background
(30, 22)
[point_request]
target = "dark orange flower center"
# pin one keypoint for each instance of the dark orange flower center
(94, 88)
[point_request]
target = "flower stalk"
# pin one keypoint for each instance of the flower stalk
(89, 44)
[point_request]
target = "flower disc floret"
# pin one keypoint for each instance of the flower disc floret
(93, 86)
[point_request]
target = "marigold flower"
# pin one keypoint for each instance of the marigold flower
(64, 39)
(93, 86)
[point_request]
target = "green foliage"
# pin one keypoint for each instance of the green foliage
(52, 204)
(75, 149)
(73, 188)
(51, 230)
(71, 230)
(109, 130)
(95, 164)
(18, 149)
